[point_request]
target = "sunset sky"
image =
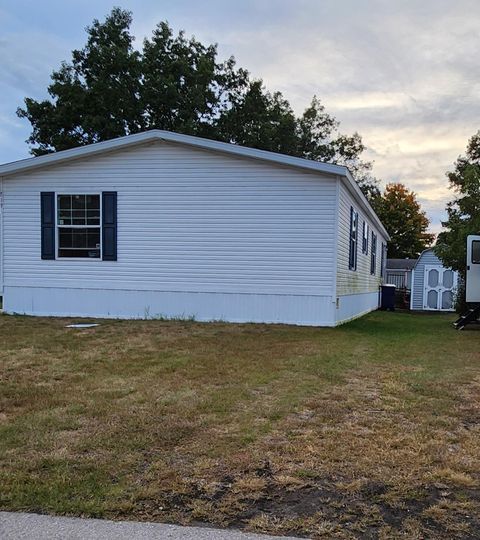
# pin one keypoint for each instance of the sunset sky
(404, 74)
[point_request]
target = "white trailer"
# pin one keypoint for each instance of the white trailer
(473, 269)
(472, 288)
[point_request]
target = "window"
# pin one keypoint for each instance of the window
(373, 255)
(366, 230)
(476, 252)
(78, 224)
(352, 255)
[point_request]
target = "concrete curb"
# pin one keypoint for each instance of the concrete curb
(23, 526)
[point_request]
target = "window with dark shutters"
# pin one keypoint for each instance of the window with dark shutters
(81, 226)
(352, 254)
(373, 255)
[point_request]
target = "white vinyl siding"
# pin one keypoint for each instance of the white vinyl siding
(188, 220)
(360, 280)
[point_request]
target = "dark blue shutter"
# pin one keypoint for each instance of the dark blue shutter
(47, 213)
(350, 240)
(109, 225)
(352, 255)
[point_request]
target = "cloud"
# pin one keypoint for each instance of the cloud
(26, 62)
(402, 74)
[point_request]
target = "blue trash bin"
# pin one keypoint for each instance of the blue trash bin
(388, 297)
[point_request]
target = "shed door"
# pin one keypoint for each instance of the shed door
(439, 288)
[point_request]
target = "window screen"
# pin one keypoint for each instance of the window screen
(78, 221)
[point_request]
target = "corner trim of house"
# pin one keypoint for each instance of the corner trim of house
(412, 285)
(335, 240)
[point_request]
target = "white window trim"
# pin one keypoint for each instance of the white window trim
(57, 227)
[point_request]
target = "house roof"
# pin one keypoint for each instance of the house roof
(55, 158)
(401, 264)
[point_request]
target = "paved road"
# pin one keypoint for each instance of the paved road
(20, 526)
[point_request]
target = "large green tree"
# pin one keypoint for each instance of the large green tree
(183, 87)
(463, 212)
(400, 212)
(259, 119)
(95, 97)
(110, 89)
(319, 139)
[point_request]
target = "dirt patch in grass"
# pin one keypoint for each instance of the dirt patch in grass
(307, 510)
(370, 430)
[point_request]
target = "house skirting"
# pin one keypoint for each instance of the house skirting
(141, 304)
(351, 306)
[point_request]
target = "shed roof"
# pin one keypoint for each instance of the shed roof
(55, 158)
(424, 252)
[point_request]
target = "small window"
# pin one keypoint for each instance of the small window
(352, 256)
(78, 223)
(373, 255)
(365, 238)
(476, 252)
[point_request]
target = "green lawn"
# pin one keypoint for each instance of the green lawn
(368, 430)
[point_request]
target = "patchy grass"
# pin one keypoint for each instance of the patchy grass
(367, 430)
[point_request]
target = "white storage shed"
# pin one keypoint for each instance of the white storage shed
(433, 285)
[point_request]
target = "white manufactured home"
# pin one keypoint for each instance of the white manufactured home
(160, 224)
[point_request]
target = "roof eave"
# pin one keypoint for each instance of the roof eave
(360, 197)
(16, 167)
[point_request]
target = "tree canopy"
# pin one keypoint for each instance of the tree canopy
(407, 224)
(463, 212)
(110, 89)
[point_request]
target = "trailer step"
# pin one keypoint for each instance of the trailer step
(469, 317)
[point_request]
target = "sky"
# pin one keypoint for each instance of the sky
(403, 73)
